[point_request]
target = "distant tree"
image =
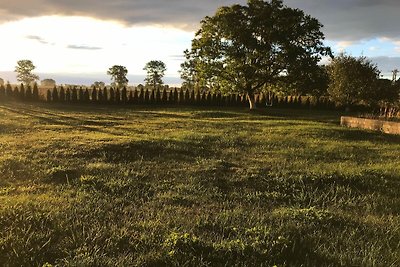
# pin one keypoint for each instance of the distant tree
(352, 80)
(118, 75)
(155, 72)
(48, 83)
(387, 93)
(99, 84)
(1, 81)
(24, 70)
(244, 48)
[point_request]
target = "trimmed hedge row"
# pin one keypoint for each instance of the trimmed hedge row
(176, 96)
(19, 93)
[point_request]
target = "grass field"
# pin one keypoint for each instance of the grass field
(93, 186)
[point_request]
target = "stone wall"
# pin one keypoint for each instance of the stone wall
(389, 127)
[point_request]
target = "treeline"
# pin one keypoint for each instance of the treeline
(146, 96)
(24, 93)
(178, 96)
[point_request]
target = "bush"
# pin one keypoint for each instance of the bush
(62, 94)
(54, 95)
(94, 95)
(35, 92)
(68, 95)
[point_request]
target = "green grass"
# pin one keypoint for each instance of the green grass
(142, 186)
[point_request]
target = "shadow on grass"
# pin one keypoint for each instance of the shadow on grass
(162, 150)
(364, 135)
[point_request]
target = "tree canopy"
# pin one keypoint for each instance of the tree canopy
(118, 75)
(243, 48)
(155, 72)
(24, 70)
(48, 82)
(352, 80)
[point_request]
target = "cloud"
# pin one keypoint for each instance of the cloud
(354, 20)
(386, 64)
(84, 47)
(343, 19)
(184, 14)
(37, 38)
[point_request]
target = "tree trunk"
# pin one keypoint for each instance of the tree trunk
(252, 102)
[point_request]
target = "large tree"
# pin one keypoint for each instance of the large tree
(118, 75)
(245, 48)
(352, 80)
(155, 72)
(24, 70)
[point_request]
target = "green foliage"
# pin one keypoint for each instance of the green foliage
(24, 70)
(352, 80)
(118, 75)
(244, 48)
(155, 72)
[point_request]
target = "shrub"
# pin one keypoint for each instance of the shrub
(86, 95)
(48, 96)
(124, 96)
(54, 95)
(62, 94)
(28, 93)
(164, 97)
(74, 95)
(117, 95)
(105, 95)
(68, 95)
(35, 92)
(94, 94)
(112, 95)
(9, 91)
(2, 91)
(21, 94)
(80, 94)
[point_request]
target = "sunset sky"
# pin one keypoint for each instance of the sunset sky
(77, 41)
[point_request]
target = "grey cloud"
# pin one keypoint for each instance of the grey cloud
(343, 19)
(354, 20)
(37, 38)
(84, 47)
(386, 64)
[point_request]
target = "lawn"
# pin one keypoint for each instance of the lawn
(175, 186)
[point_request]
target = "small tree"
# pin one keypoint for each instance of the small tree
(48, 83)
(35, 92)
(1, 82)
(98, 84)
(24, 70)
(352, 80)
(155, 72)
(118, 75)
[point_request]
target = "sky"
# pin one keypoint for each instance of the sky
(75, 42)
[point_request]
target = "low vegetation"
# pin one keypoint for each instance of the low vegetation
(148, 186)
